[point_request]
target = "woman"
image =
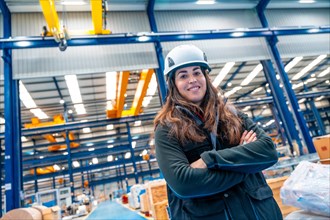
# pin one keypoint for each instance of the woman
(211, 164)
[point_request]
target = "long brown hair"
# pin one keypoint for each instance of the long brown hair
(185, 129)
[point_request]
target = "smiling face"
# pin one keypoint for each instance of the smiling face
(191, 83)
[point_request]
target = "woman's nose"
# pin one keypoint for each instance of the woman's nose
(192, 79)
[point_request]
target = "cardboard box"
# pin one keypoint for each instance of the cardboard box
(159, 210)
(322, 146)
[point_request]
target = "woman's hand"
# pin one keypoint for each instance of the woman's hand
(248, 137)
(198, 164)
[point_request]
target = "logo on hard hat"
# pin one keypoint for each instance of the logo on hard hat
(205, 58)
(170, 62)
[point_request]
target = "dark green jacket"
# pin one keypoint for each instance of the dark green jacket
(232, 187)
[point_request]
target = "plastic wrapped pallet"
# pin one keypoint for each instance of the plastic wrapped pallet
(276, 184)
(308, 188)
(23, 213)
(135, 192)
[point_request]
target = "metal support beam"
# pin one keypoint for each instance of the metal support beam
(98, 16)
(67, 139)
(282, 108)
(122, 87)
(132, 153)
(162, 87)
(317, 116)
(298, 117)
(129, 38)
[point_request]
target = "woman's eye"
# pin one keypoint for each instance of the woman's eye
(183, 76)
(197, 73)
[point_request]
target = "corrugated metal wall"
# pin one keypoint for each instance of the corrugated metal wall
(41, 62)
(301, 45)
(222, 50)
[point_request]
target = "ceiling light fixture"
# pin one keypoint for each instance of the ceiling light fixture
(324, 72)
(229, 93)
(306, 1)
(309, 67)
(111, 87)
(73, 3)
(223, 73)
(252, 75)
(74, 90)
(293, 62)
(205, 2)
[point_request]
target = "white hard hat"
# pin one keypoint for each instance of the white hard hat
(183, 56)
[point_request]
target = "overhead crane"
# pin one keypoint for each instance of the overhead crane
(57, 120)
(61, 34)
(140, 93)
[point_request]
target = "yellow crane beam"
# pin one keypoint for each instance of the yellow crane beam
(51, 17)
(97, 17)
(122, 84)
(140, 93)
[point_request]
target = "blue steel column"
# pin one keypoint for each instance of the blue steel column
(299, 118)
(282, 108)
(67, 140)
(162, 88)
(317, 117)
(13, 171)
(132, 153)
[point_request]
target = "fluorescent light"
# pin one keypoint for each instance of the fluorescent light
(144, 152)
(76, 163)
(293, 62)
(309, 67)
(152, 88)
(306, 1)
(223, 73)
(109, 127)
(270, 122)
(111, 87)
(324, 72)
(297, 85)
(137, 123)
(110, 146)
(95, 160)
(205, 2)
(56, 167)
(319, 98)
(302, 100)
(73, 3)
(246, 108)
(110, 158)
(133, 144)
(127, 155)
(39, 113)
(238, 34)
(86, 130)
(74, 90)
(256, 90)
(310, 80)
(143, 38)
(235, 89)
(23, 43)
(23, 139)
(65, 153)
(251, 76)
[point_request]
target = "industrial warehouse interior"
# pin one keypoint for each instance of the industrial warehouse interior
(81, 83)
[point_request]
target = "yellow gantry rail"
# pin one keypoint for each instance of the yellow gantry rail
(140, 93)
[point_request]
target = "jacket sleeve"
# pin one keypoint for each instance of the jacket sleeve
(187, 182)
(247, 158)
